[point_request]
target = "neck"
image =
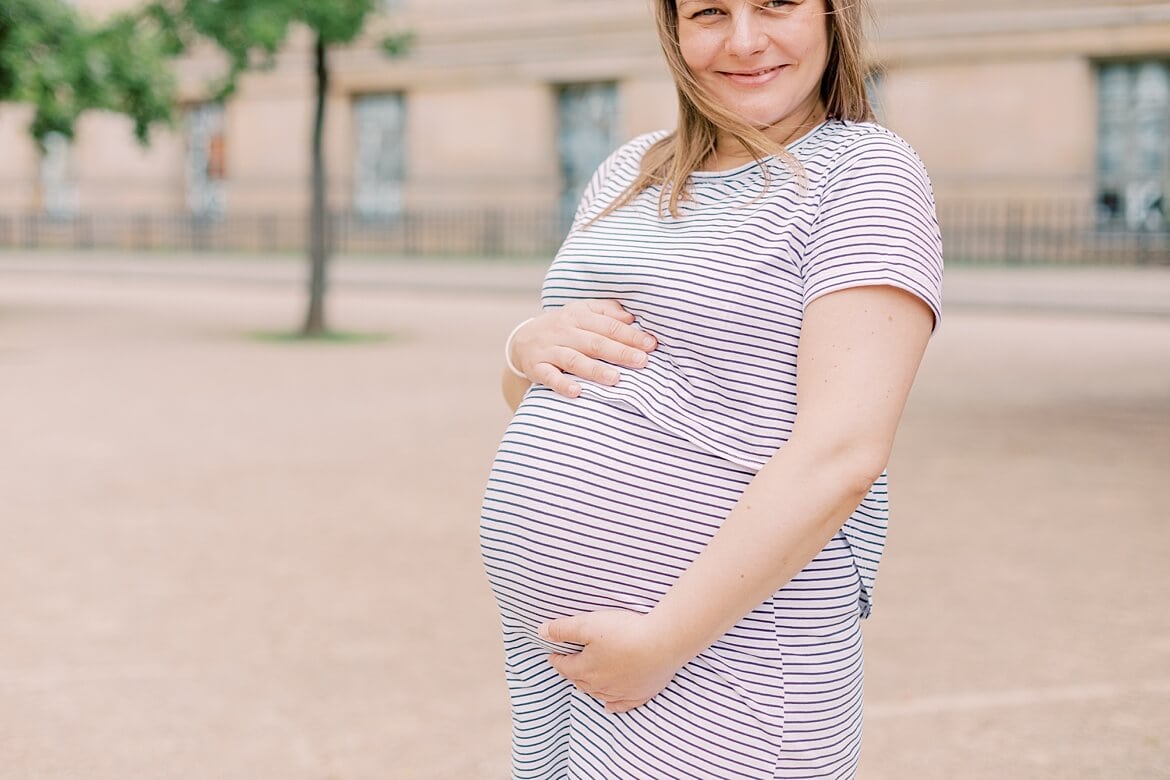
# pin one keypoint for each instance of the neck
(730, 153)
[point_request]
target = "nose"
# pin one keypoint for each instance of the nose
(747, 35)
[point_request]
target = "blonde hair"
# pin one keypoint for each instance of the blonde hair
(670, 161)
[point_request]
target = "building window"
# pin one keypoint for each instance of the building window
(206, 160)
(587, 134)
(1133, 153)
(58, 178)
(380, 164)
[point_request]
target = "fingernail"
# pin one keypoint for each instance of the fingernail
(542, 632)
(648, 342)
(640, 359)
(574, 390)
(610, 375)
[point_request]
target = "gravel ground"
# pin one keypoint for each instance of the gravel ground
(230, 557)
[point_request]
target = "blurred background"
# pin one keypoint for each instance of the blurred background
(239, 541)
(1044, 128)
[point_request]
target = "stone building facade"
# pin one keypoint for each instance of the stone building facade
(508, 107)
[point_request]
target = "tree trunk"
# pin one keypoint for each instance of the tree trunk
(318, 228)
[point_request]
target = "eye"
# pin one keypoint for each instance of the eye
(705, 12)
(772, 5)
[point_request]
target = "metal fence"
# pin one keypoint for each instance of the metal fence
(974, 233)
(1034, 233)
(483, 233)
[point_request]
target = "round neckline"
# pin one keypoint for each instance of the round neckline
(757, 163)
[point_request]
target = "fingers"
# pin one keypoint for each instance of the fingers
(567, 629)
(609, 320)
(603, 347)
(549, 375)
(578, 363)
(564, 364)
(587, 340)
(556, 660)
(612, 706)
(569, 667)
(626, 344)
(572, 668)
(610, 308)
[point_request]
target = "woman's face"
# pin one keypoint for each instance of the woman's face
(762, 59)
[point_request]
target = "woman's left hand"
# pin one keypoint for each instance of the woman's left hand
(624, 662)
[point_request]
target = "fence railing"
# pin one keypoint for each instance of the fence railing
(974, 233)
(485, 232)
(1046, 233)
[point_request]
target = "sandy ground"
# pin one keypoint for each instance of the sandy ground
(225, 557)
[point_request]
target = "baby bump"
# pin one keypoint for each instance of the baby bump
(588, 507)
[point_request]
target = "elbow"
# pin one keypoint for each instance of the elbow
(852, 464)
(861, 470)
(856, 472)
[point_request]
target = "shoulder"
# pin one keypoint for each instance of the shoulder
(629, 155)
(846, 148)
(641, 143)
(615, 174)
(875, 217)
(622, 167)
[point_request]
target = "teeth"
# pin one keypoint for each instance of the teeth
(751, 74)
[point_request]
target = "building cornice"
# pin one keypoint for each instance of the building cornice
(550, 42)
(571, 41)
(909, 36)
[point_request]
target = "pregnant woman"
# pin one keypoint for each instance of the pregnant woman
(685, 515)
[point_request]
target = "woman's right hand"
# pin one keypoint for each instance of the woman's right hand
(582, 339)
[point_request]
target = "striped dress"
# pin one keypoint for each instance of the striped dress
(602, 501)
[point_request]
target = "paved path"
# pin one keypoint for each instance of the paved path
(227, 558)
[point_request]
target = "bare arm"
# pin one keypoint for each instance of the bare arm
(859, 351)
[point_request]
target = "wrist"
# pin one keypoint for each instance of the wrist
(508, 349)
(674, 640)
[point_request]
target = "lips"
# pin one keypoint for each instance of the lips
(752, 77)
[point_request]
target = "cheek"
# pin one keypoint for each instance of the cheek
(696, 50)
(812, 40)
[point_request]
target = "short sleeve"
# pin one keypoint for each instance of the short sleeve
(876, 224)
(589, 197)
(612, 178)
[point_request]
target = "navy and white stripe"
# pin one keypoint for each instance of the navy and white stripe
(602, 501)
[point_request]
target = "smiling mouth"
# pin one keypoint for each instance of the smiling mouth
(751, 73)
(752, 78)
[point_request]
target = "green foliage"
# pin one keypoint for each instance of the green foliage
(65, 65)
(397, 45)
(251, 32)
